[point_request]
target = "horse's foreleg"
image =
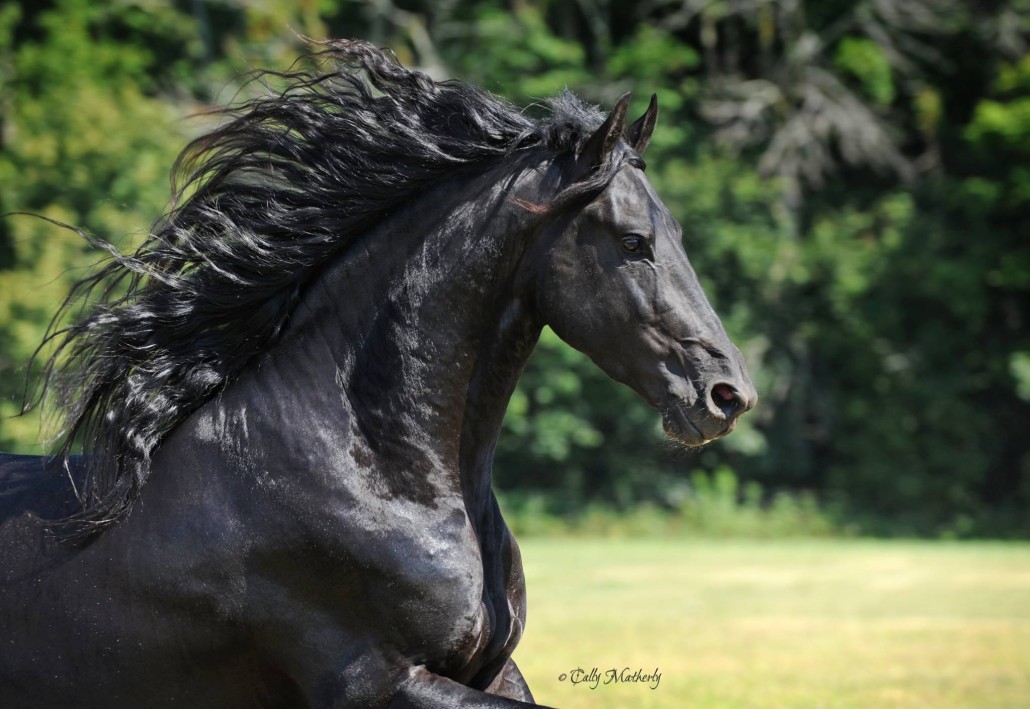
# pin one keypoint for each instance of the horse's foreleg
(423, 689)
(510, 683)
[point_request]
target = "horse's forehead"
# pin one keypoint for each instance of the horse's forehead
(630, 196)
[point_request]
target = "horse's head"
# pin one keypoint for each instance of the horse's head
(615, 283)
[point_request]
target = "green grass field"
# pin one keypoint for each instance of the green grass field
(779, 624)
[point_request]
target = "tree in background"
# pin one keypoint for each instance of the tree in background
(852, 179)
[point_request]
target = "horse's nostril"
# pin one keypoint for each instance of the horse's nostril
(727, 399)
(724, 392)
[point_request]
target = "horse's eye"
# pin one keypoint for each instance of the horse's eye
(632, 244)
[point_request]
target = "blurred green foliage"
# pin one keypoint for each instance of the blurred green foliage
(852, 179)
(711, 505)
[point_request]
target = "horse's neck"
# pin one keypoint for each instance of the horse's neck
(423, 333)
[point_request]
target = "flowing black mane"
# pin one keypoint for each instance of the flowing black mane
(265, 200)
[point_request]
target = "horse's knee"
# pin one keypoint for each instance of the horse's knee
(510, 683)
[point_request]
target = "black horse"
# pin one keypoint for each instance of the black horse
(297, 383)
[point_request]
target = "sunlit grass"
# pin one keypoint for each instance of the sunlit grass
(779, 624)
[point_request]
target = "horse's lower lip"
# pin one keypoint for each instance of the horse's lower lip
(679, 427)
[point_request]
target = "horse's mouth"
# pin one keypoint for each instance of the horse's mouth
(692, 427)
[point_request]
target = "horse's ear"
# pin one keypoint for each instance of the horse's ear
(600, 145)
(638, 135)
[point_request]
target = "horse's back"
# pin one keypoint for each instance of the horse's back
(92, 625)
(38, 485)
